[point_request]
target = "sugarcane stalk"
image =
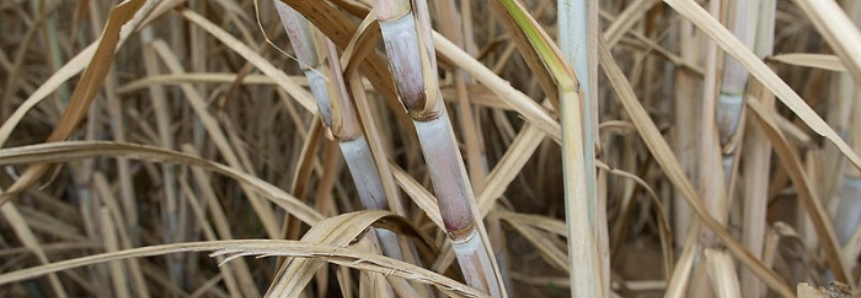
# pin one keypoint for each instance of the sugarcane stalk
(726, 115)
(171, 216)
(734, 79)
(686, 125)
(711, 173)
(563, 87)
(450, 26)
(356, 150)
(578, 29)
(758, 158)
(848, 201)
(413, 64)
(324, 71)
(730, 105)
(320, 62)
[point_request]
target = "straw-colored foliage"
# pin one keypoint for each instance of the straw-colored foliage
(430, 148)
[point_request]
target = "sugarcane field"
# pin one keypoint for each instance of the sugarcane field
(430, 148)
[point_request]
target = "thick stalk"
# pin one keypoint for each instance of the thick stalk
(712, 179)
(586, 277)
(322, 67)
(578, 29)
(848, 199)
(848, 215)
(450, 26)
(389, 186)
(562, 86)
(413, 64)
(730, 110)
(734, 76)
(320, 61)
(456, 199)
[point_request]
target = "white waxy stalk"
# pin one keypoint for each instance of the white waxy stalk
(456, 199)
(451, 26)
(402, 45)
(361, 164)
(440, 148)
(470, 251)
(848, 202)
(359, 160)
(317, 59)
(413, 64)
(848, 216)
(730, 105)
(302, 38)
(320, 90)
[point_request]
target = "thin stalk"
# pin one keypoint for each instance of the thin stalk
(217, 135)
(118, 276)
(163, 119)
(25, 234)
(87, 201)
(230, 273)
(758, 159)
(53, 55)
(127, 197)
(118, 130)
(115, 217)
(406, 32)
(624, 21)
(242, 284)
(686, 125)
(712, 188)
(16, 67)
